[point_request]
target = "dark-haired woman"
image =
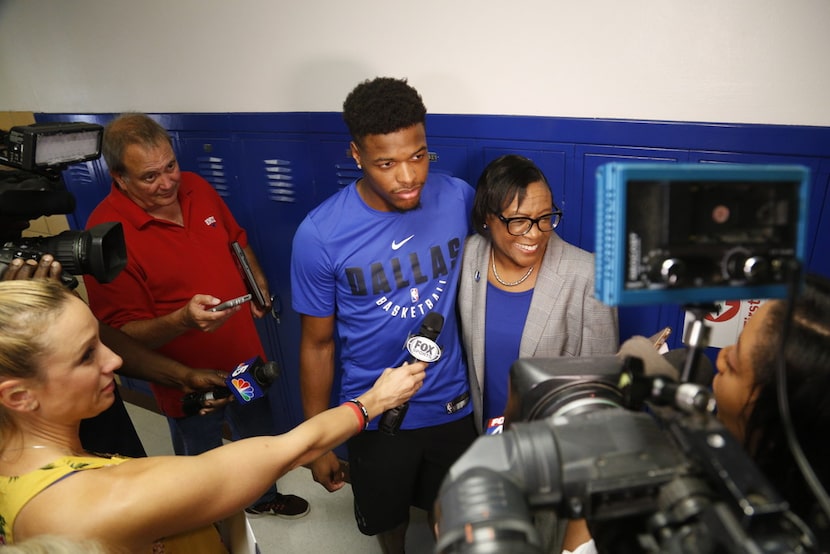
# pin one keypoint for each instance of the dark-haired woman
(524, 291)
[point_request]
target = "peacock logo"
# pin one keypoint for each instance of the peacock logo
(245, 389)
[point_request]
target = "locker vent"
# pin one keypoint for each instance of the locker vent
(212, 169)
(81, 174)
(346, 172)
(280, 181)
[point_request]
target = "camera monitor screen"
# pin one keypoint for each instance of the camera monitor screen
(686, 233)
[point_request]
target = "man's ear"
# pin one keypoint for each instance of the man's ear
(118, 179)
(16, 395)
(355, 154)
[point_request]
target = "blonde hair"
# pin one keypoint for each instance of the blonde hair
(27, 307)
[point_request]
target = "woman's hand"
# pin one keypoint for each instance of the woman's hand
(394, 387)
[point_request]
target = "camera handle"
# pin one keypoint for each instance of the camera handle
(697, 337)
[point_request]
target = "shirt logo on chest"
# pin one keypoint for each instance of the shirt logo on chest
(396, 245)
(210, 221)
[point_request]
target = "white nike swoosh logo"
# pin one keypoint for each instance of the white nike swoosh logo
(396, 245)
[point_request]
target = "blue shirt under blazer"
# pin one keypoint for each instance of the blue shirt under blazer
(565, 319)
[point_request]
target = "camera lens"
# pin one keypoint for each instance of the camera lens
(99, 251)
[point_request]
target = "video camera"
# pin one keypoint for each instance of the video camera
(41, 152)
(671, 479)
(636, 452)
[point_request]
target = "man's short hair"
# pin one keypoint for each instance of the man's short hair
(128, 129)
(381, 106)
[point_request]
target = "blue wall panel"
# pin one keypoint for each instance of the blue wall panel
(272, 168)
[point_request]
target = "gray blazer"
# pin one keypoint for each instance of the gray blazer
(564, 319)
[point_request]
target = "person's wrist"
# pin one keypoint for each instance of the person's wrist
(185, 321)
(371, 400)
(189, 378)
(360, 411)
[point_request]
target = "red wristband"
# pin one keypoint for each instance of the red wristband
(363, 411)
(358, 412)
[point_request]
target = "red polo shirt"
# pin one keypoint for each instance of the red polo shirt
(167, 264)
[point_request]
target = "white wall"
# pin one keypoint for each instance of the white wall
(743, 61)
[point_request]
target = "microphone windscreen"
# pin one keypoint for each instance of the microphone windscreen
(432, 325)
(266, 373)
(653, 362)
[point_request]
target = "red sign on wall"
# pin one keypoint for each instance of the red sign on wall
(728, 310)
(726, 324)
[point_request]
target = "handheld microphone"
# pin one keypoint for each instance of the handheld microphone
(669, 364)
(664, 370)
(247, 382)
(421, 347)
(654, 363)
(250, 379)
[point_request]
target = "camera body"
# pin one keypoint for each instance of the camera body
(41, 152)
(667, 479)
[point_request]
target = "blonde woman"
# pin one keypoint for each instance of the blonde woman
(54, 371)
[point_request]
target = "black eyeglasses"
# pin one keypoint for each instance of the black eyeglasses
(520, 226)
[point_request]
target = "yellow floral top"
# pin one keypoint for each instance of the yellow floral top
(16, 491)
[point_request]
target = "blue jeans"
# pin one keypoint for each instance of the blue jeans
(196, 434)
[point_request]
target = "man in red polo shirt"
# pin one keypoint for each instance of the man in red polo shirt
(179, 233)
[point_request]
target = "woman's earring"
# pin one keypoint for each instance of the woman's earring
(484, 226)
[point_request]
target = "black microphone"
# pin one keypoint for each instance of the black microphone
(665, 369)
(669, 364)
(421, 347)
(654, 363)
(247, 382)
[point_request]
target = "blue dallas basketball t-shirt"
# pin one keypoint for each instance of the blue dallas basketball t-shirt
(381, 272)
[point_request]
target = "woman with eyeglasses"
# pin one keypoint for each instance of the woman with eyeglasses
(524, 291)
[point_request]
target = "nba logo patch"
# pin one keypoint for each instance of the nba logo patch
(413, 294)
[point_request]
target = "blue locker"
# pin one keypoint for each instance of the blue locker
(272, 168)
